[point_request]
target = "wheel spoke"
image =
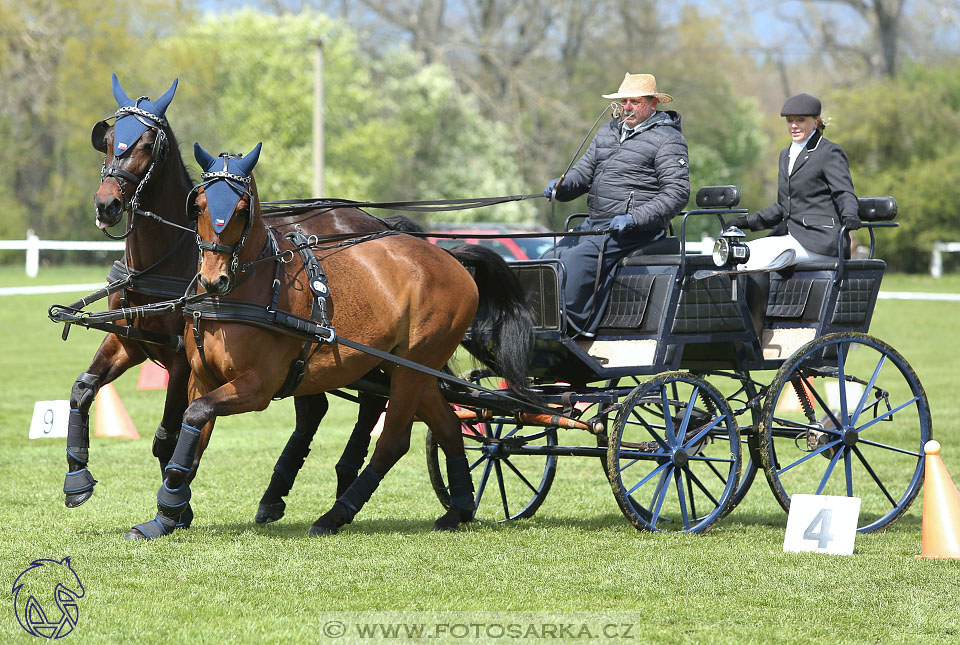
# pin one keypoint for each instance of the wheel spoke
(667, 417)
(877, 444)
(700, 485)
(707, 428)
(520, 475)
(809, 455)
(684, 516)
(483, 483)
(829, 471)
(650, 476)
(503, 492)
(659, 494)
(861, 405)
(888, 413)
(685, 423)
(876, 479)
(841, 381)
(651, 429)
(848, 467)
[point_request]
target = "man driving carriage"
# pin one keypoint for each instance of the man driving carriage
(636, 172)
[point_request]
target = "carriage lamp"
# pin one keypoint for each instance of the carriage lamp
(730, 248)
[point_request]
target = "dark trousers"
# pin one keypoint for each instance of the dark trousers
(584, 295)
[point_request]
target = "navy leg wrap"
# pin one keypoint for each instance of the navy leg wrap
(291, 461)
(171, 502)
(157, 527)
(78, 423)
(186, 449)
(461, 484)
(360, 491)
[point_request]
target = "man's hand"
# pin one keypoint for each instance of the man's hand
(548, 191)
(622, 223)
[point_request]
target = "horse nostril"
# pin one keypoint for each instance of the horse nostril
(108, 209)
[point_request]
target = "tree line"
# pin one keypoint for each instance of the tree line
(434, 99)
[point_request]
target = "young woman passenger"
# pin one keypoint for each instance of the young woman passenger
(815, 196)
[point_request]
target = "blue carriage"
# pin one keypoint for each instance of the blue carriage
(697, 378)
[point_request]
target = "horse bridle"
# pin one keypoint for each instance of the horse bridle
(193, 212)
(158, 154)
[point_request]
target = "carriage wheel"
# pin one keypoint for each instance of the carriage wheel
(674, 455)
(846, 415)
(508, 484)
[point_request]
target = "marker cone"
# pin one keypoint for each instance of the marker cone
(110, 417)
(941, 508)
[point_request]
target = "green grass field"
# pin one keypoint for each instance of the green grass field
(577, 562)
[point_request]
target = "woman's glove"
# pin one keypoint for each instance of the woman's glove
(852, 222)
(739, 222)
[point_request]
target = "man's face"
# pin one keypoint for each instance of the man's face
(801, 127)
(637, 110)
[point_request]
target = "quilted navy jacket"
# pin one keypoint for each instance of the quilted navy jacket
(646, 175)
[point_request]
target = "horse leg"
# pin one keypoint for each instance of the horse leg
(111, 360)
(175, 403)
(310, 410)
(445, 427)
(406, 387)
(242, 394)
(354, 453)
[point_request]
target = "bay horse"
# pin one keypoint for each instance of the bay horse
(144, 176)
(407, 301)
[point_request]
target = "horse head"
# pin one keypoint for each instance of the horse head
(133, 146)
(225, 205)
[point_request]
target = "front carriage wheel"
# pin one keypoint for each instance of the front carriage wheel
(511, 473)
(674, 455)
(846, 415)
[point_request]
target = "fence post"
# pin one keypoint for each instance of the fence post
(33, 254)
(936, 261)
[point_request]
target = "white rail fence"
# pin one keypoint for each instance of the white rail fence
(936, 256)
(33, 245)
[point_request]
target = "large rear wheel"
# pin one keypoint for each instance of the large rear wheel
(846, 415)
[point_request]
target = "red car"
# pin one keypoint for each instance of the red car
(510, 248)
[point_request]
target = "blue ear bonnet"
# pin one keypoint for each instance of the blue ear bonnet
(225, 180)
(136, 116)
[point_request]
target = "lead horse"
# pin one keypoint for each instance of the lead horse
(144, 176)
(403, 303)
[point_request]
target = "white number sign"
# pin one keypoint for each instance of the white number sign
(49, 419)
(822, 523)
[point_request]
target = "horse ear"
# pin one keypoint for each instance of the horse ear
(162, 102)
(203, 157)
(119, 94)
(246, 164)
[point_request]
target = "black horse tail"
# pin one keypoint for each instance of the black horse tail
(403, 224)
(503, 316)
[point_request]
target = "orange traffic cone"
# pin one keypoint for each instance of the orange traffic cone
(941, 508)
(111, 418)
(152, 377)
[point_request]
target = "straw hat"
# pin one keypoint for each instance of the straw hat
(635, 85)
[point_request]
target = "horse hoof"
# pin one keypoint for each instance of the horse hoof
(317, 530)
(452, 519)
(270, 512)
(134, 534)
(74, 500)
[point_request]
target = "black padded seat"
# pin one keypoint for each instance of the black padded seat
(848, 265)
(701, 261)
(664, 246)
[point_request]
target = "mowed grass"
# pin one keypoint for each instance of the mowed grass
(577, 560)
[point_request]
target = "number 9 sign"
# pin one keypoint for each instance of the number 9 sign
(49, 419)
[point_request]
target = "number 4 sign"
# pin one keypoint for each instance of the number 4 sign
(822, 523)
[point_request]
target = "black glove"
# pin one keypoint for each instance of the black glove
(548, 191)
(851, 222)
(739, 222)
